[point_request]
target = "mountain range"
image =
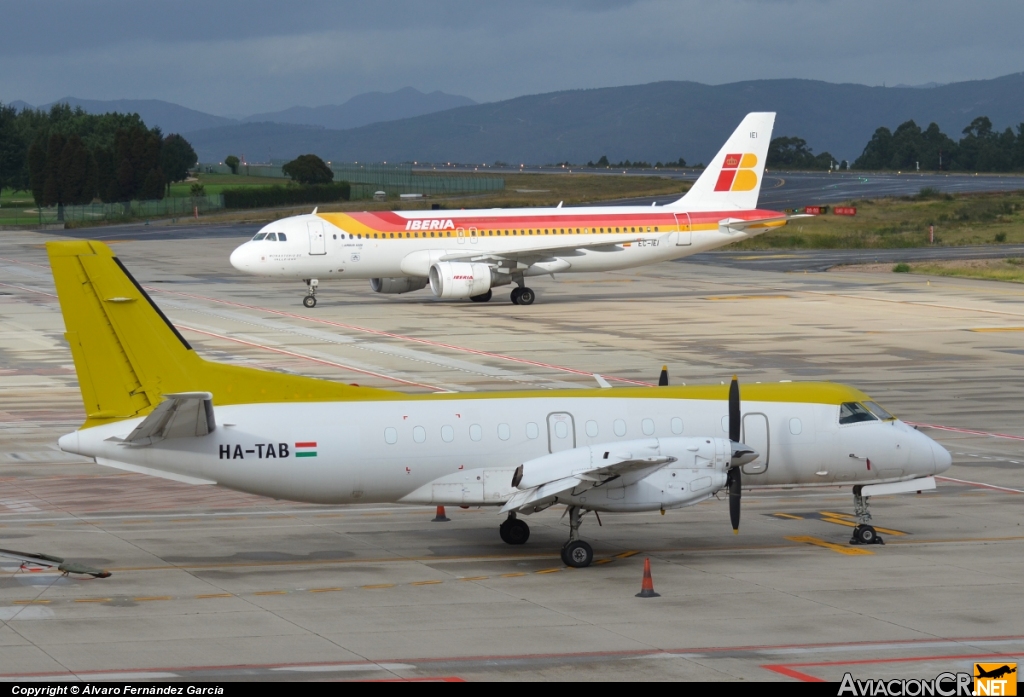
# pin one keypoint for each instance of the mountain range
(656, 121)
(357, 111)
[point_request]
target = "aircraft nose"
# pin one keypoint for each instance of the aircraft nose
(943, 460)
(238, 258)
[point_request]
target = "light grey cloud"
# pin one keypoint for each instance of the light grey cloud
(240, 57)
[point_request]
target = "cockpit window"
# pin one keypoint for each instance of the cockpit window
(853, 412)
(281, 237)
(271, 237)
(879, 411)
(259, 236)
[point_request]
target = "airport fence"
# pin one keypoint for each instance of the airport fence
(110, 212)
(367, 179)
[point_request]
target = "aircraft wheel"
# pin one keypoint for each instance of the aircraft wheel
(482, 298)
(309, 301)
(514, 532)
(514, 297)
(866, 535)
(577, 554)
(526, 296)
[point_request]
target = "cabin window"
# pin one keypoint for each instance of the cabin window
(532, 431)
(390, 436)
(476, 432)
(432, 234)
(879, 411)
(853, 412)
(619, 427)
(677, 425)
(656, 228)
(647, 426)
(336, 237)
(504, 432)
(561, 429)
(592, 429)
(281, 237)
(419, 434)
(375, 235)
(725, 424)
(796, 427)
(392, 235)
(447, 434)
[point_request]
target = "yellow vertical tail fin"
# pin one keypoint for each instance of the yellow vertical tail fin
(128, 354)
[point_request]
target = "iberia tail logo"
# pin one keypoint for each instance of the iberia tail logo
(738, 173)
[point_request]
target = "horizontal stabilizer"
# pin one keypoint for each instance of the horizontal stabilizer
(182, 415)
(139, 469)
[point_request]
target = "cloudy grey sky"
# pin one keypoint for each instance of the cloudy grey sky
(235, 57)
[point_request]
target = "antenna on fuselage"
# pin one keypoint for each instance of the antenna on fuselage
(315, 209)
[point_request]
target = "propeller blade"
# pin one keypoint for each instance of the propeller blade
(734, 410)
(663, 378)
(735, 492)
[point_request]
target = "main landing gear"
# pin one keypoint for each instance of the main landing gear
(523, 296)
(863, 534)
(576, 552)
(310, 299)
(514, 531)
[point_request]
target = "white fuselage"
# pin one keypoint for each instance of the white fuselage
(464, 451)
(319, 248)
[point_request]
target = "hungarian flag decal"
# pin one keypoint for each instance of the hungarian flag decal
(307, 449)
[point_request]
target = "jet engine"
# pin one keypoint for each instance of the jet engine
(405, 284)
(455, 279)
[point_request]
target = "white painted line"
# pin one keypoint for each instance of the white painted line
(980, 484)
(965, 430)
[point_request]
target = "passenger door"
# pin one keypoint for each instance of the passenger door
(683, 234)
(757, 435)
(317, 240)
(561, 432)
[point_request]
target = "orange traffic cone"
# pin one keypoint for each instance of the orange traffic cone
(440, 517)
(647, 586)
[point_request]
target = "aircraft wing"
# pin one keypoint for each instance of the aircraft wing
(539, 497)
(531, 255)
(182, 415)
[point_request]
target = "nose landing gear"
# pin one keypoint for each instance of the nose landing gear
(310, 299)
(864, 533)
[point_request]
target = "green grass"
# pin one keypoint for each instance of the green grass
(961, 219)
(1011, 269)
(214, 184)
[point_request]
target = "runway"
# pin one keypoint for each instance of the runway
(210, 584)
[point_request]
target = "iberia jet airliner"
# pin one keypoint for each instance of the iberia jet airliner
(464, 254)
(153, 406)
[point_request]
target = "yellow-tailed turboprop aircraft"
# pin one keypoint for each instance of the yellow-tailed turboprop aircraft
(153, 406)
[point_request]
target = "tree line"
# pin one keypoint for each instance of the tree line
(980, 149)
(65, 156)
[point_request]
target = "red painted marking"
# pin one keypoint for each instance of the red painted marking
(966, 430)
(306, 445)
(402, 337)
(725, 178)
(310, 358)
(28, 290)
(790, 673)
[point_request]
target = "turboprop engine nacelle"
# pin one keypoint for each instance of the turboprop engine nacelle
(406, 284)
(635, 475)
(457, 279)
